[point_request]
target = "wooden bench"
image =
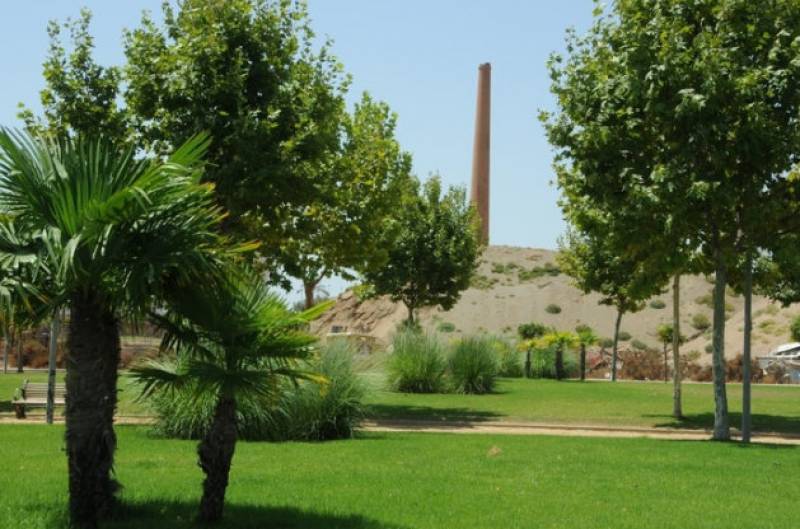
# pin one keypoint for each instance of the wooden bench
(34, 395)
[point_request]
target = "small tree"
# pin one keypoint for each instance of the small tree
(561, 341)
(530, 331)
(586, 337)
(666, 336)
(432, 250)
(232, 343)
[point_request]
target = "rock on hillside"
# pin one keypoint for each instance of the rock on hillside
(519, 285)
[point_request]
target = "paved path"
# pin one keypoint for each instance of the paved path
(499, 428)
(569, 430)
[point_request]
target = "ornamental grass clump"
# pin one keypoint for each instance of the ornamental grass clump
(473, 365)
(417, 363)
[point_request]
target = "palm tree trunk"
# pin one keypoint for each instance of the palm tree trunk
(6, 348)
(19, 353)
(528, 370)
(583, 362)
(614, 352)
(721, 421)
(91, 399)
(748, 326)
(666, 369)
(215, 455)
(559, 362)
(677, 407)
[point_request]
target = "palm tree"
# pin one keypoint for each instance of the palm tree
(232, 343)
(561, 341)
(586, 337)
(115, 232)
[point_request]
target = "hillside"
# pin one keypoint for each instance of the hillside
(517, 285)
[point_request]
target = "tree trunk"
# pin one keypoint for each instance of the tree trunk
(616, 347)
(410, 318)
(51, 367)
(583, 362)
(215, 455)
(677, 407)
(309, 287)
(528, 371)
(748, 326)
(19, 353)
(6, 348)
(559, 362)
(94, 350)
(721, 421)
(666, 369)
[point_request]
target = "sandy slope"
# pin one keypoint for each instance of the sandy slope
(501, 300)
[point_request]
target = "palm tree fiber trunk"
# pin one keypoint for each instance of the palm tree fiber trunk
(91, 399)
(215, 454)
(583, 362)
(559, 362)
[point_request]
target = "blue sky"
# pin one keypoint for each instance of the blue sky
(420, 56)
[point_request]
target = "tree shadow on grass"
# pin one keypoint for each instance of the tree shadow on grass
(705, 421)
(428, 413)
(179, 515)
(6, 406)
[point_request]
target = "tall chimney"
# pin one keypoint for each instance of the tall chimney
(479, 194)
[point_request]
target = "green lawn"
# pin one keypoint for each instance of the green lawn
(422, 481)
(775, 408)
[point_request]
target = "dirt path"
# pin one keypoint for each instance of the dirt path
(499, 428)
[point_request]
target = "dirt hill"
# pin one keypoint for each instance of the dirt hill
(518, 285)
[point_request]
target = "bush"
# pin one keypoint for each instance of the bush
(657, 304)
(509, 359)
(639, 345)
(641, 365)
(473, 365)
(543, 363)
(529, 331)
(446, 326)
(605, 343)
(302, 412)
(700, 322)
(623, 336)
(794, 329)
(417, 363)
(553, 309)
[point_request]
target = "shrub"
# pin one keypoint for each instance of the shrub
(605, 343)
(639, 345)
(734, 370)
(302, 412)
(509, 358)
(446, 326)
(700, 322)
(641, 365)
(552, 309)
(794, 329)
(473, 365)
(417, 363)
(657, 304)
(623, 336)
(529, 331)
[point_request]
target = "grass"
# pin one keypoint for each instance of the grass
(775, 408)
(647, 404)
(421, 481)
